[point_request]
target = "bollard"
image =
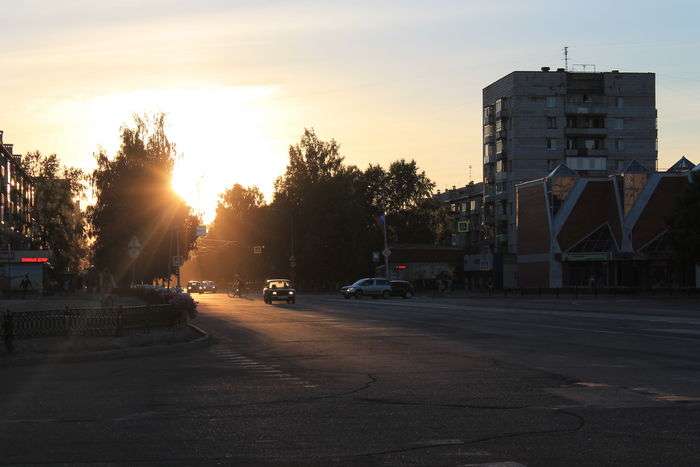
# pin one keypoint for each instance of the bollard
(9, 332)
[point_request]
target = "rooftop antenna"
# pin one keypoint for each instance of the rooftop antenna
(470, 173)
(566, 58)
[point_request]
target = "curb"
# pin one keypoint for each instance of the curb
(204, 340)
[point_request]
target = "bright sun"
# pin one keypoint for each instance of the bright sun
(223, 135)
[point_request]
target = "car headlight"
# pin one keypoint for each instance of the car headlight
(274, 293)
(291, 292)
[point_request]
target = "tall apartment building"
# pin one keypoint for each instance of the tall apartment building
(595, 123)
(17, 197)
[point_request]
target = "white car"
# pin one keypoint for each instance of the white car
(369, 287)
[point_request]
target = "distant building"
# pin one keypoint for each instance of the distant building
(465, 209)
(533, 121)
(576, 229)
(422, 265)
(17, 198)
(18, 253)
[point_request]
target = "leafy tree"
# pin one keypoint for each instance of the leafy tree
(60, 223)
(404, 193)
(326, 202)
(227, 248)
(134, 197)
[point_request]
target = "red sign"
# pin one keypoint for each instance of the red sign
(34, 260)
(401, 267)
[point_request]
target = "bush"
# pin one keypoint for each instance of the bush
(156, 295)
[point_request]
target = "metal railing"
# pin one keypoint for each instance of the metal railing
(113, 321)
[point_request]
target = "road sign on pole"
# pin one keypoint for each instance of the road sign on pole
(386, 252)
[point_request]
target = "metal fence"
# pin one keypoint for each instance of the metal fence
(88, 321)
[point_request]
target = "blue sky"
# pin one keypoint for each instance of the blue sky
(386, 79)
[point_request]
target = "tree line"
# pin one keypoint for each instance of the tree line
(320, 227)
(321, 218)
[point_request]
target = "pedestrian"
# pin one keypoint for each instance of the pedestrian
(24, 285)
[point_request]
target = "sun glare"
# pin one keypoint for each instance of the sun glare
(223, 135)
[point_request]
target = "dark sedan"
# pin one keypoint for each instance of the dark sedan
(402, 289)
(279, 289)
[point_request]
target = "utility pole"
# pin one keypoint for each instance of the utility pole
(177, 248)
(386, 251)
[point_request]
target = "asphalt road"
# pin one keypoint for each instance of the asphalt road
(377, 382)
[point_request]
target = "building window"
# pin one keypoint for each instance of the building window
(464, 207)
(500, 104)
(499, 146)
(586, 98)
(551, 122)
(499, 125)
(551, 102)
(619, 102)
(619, 144)
(571, 122)
(473, 205)
(488, 115)
(551, 143)
(597, 122)
(501, 166)
(618, 123)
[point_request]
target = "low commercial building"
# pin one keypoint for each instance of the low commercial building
(574, 230)
(423, 264)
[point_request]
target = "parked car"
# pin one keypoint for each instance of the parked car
(194, 287)
(208, 286)
(369, 287)
(279, 289)
(402, 289)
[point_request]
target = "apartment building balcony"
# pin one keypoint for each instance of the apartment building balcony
(586, 152)
(503, 113)
(586, 131)
(501, 134)
(489, 159)
(581, 109)
(501, 176)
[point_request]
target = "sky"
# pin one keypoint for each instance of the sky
(240, 80)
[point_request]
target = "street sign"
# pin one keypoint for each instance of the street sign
(375, 256)
(257, 250)
(134, 247)
(386, 252)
